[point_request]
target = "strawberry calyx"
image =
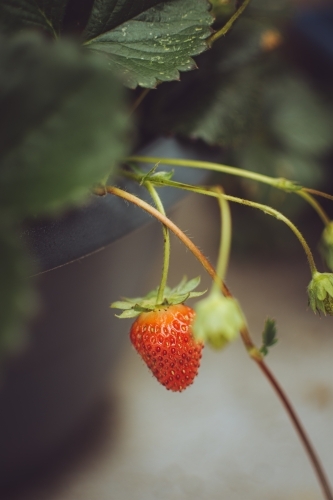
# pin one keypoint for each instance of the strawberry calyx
(172, 296)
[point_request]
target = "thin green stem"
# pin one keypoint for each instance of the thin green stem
(317, 207)
(224, 30)
(206, 165)
(225, 242)
(166, 239)
(318, 193)
(250, 346)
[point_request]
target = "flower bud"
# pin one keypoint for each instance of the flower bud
(320, 291)
(218, 320)
(326, 245)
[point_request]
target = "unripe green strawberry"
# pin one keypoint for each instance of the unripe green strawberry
(164, 340)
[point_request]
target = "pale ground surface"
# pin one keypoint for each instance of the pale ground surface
(226, 437)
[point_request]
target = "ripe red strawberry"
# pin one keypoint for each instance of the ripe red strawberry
(164, 340)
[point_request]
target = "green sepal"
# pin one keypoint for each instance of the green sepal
(130, 313)
(268, 336)
(121, 304)
(320, 292)
(163, 175)
(152, 175)
(178, 295)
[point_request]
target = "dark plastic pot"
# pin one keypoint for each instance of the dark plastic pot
(75, 340)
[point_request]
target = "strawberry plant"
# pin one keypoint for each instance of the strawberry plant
(76, 101)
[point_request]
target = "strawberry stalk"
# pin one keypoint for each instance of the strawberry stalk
(166, 238)
(245, 334)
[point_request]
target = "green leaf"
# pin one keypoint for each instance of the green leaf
(62, 120)
(45, 15)
(156, 45)
(108, 14)
(226, 120)
(268, 336)
(16, 297)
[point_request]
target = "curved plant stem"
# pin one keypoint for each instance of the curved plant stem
(318, 193)
(315, 205)
(166, 238)
(250, 346)
(223, 31)
(206, 165)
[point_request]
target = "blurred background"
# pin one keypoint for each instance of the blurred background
(227, 436)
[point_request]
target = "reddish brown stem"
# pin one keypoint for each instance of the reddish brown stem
(250, 346)
(318, 193)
